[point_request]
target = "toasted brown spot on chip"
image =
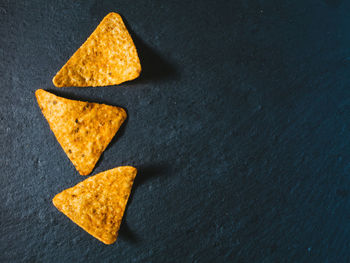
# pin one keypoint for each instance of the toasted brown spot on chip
(98, 203)
(86, 137)
(108, 57)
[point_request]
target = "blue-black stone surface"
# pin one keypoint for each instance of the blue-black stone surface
(239, 126)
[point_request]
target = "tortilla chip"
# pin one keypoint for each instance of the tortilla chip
(108, 57)
(98, 203)
(83, 129)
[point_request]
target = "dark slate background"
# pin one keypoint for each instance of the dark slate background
(239, 126)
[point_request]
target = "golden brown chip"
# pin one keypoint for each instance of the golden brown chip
(108, 57)
(98, 203)
(83, 129)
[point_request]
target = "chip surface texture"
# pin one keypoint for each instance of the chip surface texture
(108, 57)
(83, 129)
(98, 203)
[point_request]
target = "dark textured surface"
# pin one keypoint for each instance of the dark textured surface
(239, 125)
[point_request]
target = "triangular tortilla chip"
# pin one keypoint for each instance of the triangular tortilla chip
(108, 57)
(98, 203)
(83, 129)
